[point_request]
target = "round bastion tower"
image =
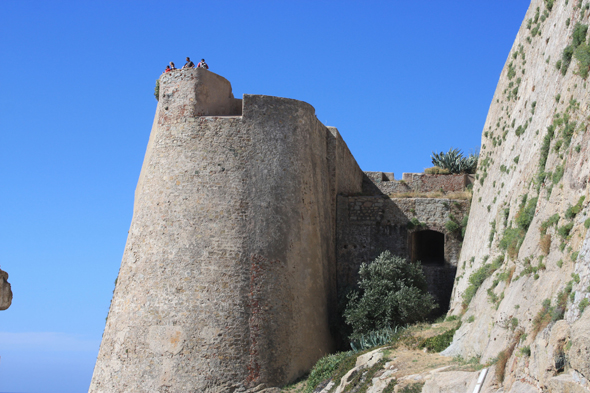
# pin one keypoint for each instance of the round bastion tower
(228, 274)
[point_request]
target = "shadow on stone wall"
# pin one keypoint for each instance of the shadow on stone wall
(413, 228)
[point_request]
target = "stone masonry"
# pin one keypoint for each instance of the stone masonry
(245, 226)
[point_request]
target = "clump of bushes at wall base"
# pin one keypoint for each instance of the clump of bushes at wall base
(439, 343)
(392, 292)
(376, 338)
(329, 367)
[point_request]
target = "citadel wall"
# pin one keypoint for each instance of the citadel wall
(248, 225)
(524, 271)
(413, 228)
(228, 272)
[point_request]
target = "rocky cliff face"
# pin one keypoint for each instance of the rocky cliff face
(5, 291)
(524, 272)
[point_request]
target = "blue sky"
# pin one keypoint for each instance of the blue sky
(399, 79)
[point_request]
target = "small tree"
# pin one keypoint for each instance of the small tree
(392, 293)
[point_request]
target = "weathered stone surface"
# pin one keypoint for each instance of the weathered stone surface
(451, 382)
(369, 225)
(519, 387)
(520, 159)
(579, 354)
(565, 383)
(413, 182)
(196, 92)
(228, 275)
(5, 291)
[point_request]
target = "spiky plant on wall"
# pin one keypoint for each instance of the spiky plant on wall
(455, 162)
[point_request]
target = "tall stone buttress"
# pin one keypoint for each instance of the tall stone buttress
(228, 276)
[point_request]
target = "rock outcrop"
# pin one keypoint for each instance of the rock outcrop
(524, 272)
(5, 291)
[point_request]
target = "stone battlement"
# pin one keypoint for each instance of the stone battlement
(196, 92)
(384, 182)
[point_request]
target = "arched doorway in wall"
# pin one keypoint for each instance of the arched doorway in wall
(428, 247)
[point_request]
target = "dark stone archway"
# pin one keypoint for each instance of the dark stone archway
(428, 247)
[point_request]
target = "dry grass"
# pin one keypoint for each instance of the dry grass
(466, 195)
(435, 170)
(545, 243)
(505, 355)
(541, 321)
(510, 275)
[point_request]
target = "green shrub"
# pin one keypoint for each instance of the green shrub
(415, 223)
(566, 58)
(390, 386)
(583, 304)
(582, 54)
(512, 240)
(455, 162)
(587, 223)
(565, 230)
(572, 211)
(548, 223)
(471, 319)
(526, 214)
(479, 276)
(452, 226)
(412, 388)
(392, 292)
(542, 318)
(558, 174)
(576, 277)
(438, 343)
(526, 351)
(549, 4)
(327, 367)
(579, 34)
(157, 90)
(375, 338)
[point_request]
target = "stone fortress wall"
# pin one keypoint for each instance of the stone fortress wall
(236, 250)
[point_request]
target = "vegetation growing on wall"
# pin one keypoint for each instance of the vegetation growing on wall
(455, 162)
(513, 237)
(478, 277)
(579, 48)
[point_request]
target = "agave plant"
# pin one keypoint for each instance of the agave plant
(455, 162)
(375, 338)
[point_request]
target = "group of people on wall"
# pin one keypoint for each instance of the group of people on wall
(189, 64)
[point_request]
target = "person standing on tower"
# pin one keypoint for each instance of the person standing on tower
(202, 64)
(189, 63)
